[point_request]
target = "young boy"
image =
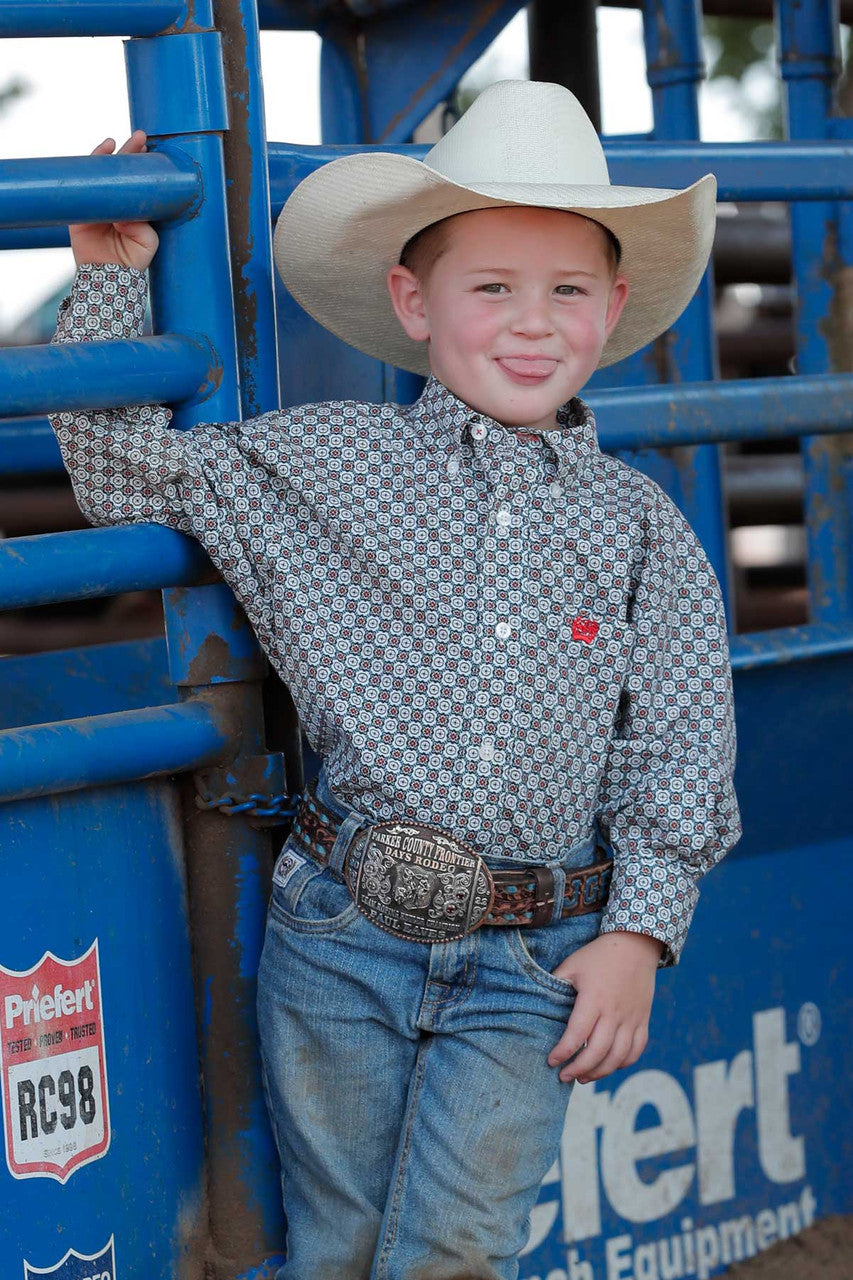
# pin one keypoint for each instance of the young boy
(496, 637)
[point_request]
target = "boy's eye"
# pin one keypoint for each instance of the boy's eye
(492, 287)
(567, 290)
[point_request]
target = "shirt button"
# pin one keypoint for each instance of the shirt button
(453, 467)
(555, 489)
(503, 631)
(487, 749)
(504, 518)
(479, 431)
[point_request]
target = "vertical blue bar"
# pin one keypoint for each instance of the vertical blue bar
(809, 56)
(247, 177)
(672, 35)
(191, 285)
(673, 38)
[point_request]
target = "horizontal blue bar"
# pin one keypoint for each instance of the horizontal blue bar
(744, 170)
(642, 417)
(90, 563)
(68, 755)
(694, 413)
(88, 17)
(63, 189)
(790, 644)
(103, 375)
(28, 446)
(31, 203)
(34, 238)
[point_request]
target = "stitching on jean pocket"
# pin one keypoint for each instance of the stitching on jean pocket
(534, 970)
(284, 904)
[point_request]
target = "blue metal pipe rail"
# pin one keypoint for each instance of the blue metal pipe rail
(642, 417)
(28, 447)
(750, 171)
(90, 563)
(790, 644)
(155, 186)
(174, 367)
(747, 171)
(655, 417)
(90, 17)
(128, 746)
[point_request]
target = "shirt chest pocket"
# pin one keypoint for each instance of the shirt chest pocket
(589, 677)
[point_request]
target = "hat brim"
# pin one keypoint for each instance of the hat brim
(346, 224)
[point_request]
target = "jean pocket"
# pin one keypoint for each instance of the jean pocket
(309, 898)
(540, 950)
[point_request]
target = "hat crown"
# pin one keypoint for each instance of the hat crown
(522, 131)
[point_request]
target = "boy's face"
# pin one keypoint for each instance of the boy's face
(516, 309)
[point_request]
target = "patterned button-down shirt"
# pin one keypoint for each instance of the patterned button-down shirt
(503, 635)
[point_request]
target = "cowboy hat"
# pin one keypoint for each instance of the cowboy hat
(521, 142)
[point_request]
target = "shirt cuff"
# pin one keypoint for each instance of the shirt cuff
(107, 301)
(652, 897)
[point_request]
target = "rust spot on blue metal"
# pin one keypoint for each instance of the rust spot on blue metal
(240, 163)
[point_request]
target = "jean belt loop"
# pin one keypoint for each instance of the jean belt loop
(577, 856)
(350, 826)
(559, 891)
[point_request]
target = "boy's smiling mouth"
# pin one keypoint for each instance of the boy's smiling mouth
(527, 370)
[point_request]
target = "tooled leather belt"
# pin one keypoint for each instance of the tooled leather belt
(421, 883)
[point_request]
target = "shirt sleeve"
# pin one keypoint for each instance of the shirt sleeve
(128, 466)
(667, 804)
(123, 463)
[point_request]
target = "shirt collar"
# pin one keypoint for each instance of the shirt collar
(447, 420)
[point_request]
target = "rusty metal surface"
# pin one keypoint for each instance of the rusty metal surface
(225, 857)
(248, 199)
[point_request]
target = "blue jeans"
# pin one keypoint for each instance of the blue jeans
(408, 1088)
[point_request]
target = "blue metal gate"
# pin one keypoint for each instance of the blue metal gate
(134, 854)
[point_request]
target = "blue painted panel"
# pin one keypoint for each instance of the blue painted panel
(727, 1135)
(107, 865)
(751, 1103)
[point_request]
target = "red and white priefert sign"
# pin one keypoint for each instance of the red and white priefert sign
(54, 1071)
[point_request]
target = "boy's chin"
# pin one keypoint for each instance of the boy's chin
(527, 408)
(515, 407)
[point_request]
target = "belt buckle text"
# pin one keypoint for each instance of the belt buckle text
(418, 882)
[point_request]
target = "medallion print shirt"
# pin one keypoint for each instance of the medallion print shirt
(504, 636)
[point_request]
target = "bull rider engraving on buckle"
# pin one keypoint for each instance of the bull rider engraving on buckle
(419, 883)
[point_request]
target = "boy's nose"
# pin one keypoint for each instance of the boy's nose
(532, 318)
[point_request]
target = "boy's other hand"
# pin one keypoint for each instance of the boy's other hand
(614, 976)
(133, 244)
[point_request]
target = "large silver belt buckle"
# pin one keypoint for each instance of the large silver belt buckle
(419, 883)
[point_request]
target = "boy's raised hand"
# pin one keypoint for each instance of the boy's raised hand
(133, 244)
(614, 976)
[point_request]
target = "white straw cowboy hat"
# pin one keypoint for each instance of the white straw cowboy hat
(520, 143)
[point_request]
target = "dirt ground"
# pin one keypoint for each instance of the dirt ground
(821, 1252)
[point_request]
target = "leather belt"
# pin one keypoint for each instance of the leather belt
(420, 883)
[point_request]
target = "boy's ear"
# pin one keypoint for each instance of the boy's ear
(619, 291)
(408, 302)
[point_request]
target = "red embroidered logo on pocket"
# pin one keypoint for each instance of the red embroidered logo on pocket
(584, 629)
